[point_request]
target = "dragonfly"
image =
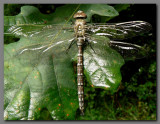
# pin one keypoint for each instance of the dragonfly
(82, 35)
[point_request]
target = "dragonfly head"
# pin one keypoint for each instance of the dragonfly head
(80, 14)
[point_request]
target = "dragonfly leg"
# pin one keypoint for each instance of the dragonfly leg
(91, 47)
(88, 42)
(72, 42)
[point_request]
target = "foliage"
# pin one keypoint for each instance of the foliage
(136, 97)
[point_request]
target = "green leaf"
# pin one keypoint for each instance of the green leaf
(41, 81)
(118, 8)
(103, 65)
(38, 73)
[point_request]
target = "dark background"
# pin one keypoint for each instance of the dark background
(136, 97)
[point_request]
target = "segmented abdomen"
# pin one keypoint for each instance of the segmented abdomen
(80, 75)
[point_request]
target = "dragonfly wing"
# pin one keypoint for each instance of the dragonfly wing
(39, 32)
(35, 48)
(35, 53)
(128, 50)
(38, 40)
(41, 58)
(120, 31)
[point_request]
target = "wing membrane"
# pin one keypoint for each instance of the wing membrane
(127, 50)
(120, 31)
(40, 54)
(43, 43)
(38, 32)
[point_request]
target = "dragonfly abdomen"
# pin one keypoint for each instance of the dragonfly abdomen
(80, 77)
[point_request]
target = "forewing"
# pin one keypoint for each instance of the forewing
(41, 41)
(39, 32)
(120, 31)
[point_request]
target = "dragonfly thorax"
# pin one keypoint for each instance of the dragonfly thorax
(79, 27)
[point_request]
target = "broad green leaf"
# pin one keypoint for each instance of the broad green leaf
(38, 72)
(41, 80)
(103, 65)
